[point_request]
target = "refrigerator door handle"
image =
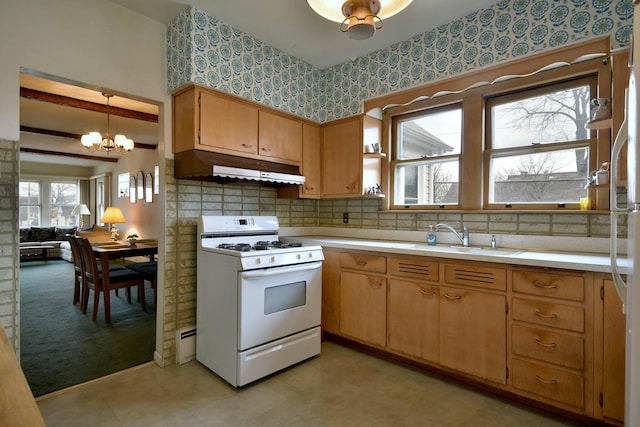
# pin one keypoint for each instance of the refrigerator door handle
(621, 139)
(618, 281)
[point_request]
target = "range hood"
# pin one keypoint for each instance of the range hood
(206, 166)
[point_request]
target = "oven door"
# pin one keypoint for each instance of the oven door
(277, 302)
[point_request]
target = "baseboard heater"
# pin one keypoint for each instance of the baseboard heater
(185, 345)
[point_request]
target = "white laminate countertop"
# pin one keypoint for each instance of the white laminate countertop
(547, 257)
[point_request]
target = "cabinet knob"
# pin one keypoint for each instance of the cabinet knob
(266, 150)
(247, 145)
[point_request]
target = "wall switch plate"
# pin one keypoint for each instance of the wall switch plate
(345, 217)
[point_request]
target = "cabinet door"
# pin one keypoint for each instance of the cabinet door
(342, 158)
(473, 333)
(227, 125)
(331, 291)
(363, 305)
(414, 319)
(613, 354)
(279, 138)
(311, 161)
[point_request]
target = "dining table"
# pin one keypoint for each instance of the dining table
(108, 251)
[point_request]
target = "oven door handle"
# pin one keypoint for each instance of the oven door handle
(280, 270)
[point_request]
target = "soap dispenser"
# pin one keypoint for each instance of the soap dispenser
(432, 239)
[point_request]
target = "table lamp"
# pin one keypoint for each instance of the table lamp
(80, 210)
(113, 216)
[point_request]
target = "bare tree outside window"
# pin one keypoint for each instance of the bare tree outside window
(527, 128)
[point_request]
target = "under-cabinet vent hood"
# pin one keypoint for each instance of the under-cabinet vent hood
(206, 166)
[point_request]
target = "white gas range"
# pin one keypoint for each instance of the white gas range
(259, 299)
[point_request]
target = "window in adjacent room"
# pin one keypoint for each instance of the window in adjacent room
(426, 157)
(30, 206)
(537, 146)
(47, 203)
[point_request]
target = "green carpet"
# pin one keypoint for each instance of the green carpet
(60, 346)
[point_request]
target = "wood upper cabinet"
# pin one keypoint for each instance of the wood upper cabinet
(205, 119)
(279, 137)
(311, 150)
(346, 170)
(342, 158)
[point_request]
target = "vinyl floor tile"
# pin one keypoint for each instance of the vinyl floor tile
(341, 387)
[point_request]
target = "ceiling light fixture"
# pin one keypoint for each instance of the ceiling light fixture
(359, 18)
(94, 141)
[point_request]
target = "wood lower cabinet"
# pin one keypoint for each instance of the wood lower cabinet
(534, 332)
(414, 319)
(473, 333)
(612, 337)
(552, 337)
(363, 307)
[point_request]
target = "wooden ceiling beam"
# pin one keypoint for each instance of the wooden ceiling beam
(77, 156)
(75, 136)
(66, 101)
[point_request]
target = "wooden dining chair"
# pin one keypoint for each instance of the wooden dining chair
(93, 279)
(148, 270)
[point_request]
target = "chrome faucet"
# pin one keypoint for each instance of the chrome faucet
(464, 237)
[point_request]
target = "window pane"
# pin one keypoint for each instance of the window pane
(30, 216)
(556, 116)
(29, 193)
(64, 197)
(427, 183)
(546, 177)
(433, 134)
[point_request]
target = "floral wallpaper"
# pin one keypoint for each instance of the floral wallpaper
(206, 51)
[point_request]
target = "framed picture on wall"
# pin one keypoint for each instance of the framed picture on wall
(148, 188)
(123, 185)
(140, 180)
(156, 181)
(132, 189)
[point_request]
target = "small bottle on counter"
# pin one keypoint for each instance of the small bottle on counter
(432, 238)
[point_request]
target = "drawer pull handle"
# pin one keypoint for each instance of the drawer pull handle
(452, 297)
(426, 293)
(309, 188)
(247, 145)
(540, 343)
(543, 381)
(361, 262)
(375, 283)
(545, 316)
(543, 286)
(266, 150)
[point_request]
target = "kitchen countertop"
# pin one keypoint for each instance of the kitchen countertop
(584, 261)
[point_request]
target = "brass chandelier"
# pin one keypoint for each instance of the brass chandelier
(359, 18)
(94, 141)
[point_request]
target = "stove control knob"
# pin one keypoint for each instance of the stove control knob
(258, 261)
(298, 256)
(273, 259)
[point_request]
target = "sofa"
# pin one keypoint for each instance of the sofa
(55, 239)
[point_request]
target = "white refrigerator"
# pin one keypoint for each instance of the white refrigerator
(629, 290)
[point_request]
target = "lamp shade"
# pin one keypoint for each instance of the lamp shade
(81, 209)
(113, 215)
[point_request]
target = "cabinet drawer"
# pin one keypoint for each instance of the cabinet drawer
(364, 262)
(549, 284)
(415, 268)
(549, 314)
(553, 347)
(552, 383)
(473, 275)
